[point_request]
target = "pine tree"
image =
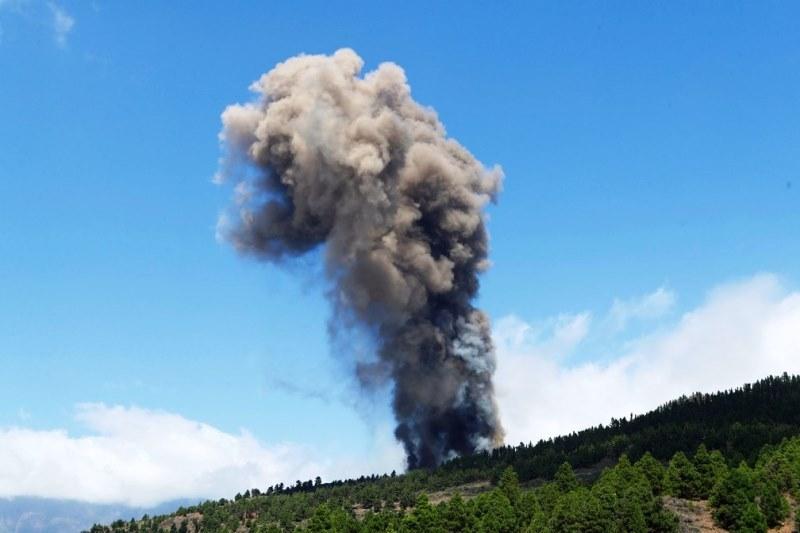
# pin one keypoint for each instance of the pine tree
(455, 516)
(526, 506)
(660, 520)
(630, 513)
(575, 512)
(653, 470)
(538, 523)
(772, 503)
(731, 496)
(509, 485)
(751, 520)
(605, 491)
(497, 514)
(565, 479)
(705, 469)
(423, 519)
(681, 479)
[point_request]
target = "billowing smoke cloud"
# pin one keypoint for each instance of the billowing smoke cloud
(328, 157)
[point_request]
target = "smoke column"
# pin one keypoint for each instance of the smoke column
(329, 157)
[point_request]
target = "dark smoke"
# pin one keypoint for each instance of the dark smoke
(329, 157)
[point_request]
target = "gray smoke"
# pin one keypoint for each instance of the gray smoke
(329, 157)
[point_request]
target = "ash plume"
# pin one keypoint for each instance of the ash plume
(327, 156)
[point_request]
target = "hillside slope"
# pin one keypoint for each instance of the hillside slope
(755, 463)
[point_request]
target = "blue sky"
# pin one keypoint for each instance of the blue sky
(645, 146)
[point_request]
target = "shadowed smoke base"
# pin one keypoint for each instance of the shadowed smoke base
(326, 156)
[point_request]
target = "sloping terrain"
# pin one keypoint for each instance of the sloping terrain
(696, 517)
(603, 478)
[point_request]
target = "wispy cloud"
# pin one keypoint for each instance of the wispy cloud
(650, 306)
(555, 337)
(49, 16)
(742, 332)
(4, 4)
(143, 457)
(63, 24)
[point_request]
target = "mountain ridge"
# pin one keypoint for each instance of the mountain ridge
(26, 514)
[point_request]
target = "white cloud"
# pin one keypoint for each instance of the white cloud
(62, 24)
(555, 337)
(742, 332)
(650, 306)
(143, 457)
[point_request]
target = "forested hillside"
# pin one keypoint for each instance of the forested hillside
(737, 450)
(738, 422)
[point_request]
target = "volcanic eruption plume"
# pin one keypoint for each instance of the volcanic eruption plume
(329, 157)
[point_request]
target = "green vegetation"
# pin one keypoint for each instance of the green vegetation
(752, 499)
(738, 449)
